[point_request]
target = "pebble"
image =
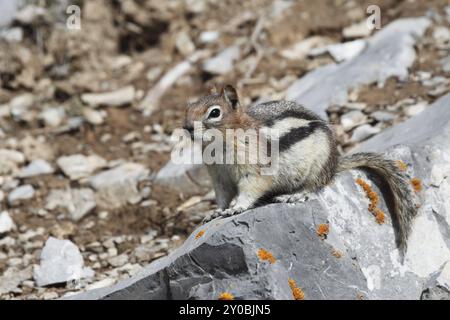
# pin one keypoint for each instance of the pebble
(6, 222)
(118, 261)
(363, 132)
(352, 119)
(383, 116)
(209, 36)
(19, 194)
(223, 62)
(12, 278)
(415, 109)
(53, 117)
(19, 106)
(36, 168)
(60, 261)
(77, 202)
(115, 98)
(79, 166)
(358, 30)
(341, 51)
(101, 284)
(116, 186)
(94, 117)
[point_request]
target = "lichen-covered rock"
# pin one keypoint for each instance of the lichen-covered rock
(329, 244)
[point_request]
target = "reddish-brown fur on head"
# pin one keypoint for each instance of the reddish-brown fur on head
(231, 114)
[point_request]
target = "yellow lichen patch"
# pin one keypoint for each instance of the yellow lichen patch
(297, 293)
(402, 166)
(199, 234)
(417, 184)
(265, 255)
(336, 253)
(226, 296)
(373, 198)
(323, 230)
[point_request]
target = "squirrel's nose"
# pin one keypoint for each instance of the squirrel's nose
(190, 128)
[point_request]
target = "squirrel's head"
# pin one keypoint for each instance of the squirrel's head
(215, 111)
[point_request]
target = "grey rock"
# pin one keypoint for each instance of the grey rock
(363, 132)
(225, 257)
(116, 186)
(36, 168)
(342, 51)
(438, 287)
(383, 116)
(9, 161)
(209, 36)
(184, 176)
(223, 62)
(6, 223)
(79, 166)
(53, 117)
(12, 35)
(445, 62)
(352, 119)
(357, 30)
(61, 261)
(20, 194)
(77, 202)
(12, 278)
(390, 52)
(415, 109)
(116, 98)
(8, 10)
(19, 107)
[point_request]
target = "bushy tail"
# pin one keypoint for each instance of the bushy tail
(399, 191)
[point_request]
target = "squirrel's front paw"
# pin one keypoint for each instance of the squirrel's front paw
(219, 213)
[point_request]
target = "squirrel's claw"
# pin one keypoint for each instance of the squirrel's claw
(219, 213)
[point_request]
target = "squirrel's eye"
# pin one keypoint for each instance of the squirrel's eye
(215, 113)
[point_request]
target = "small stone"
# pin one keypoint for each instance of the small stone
(383, 116)
(19, 107)
(116, 98)
(79, 166)
(50, 296)
(223, 62)
(184, 43)
(363, 132)
(353, 119)
(20, 194)
(358, 30)
(118, 261)
(209, 36)
(342, 51)
(14, 34)
(101, 284)
(53, 117)
(301, 49)
(12, 278)
(116, 186)
(445, 62)
(77, 202)
(9, 161)
(36, 168)
(6, 223)
(30, 14)
(61, 261)
(415, 109)
(441, 34)
(93, 116)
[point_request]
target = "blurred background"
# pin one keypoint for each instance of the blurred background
(88, 104)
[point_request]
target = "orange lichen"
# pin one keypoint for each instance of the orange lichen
(336, 253)
(297, 293)
(402, 166)
(374, 199)
(379, 216)
(417, 184)
(323, 230)
(226, 296)
(265, 255)
(199, 234)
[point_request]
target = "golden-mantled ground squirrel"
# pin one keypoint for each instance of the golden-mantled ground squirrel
(307, 157)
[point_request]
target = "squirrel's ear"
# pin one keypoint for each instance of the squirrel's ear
(231, 96)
